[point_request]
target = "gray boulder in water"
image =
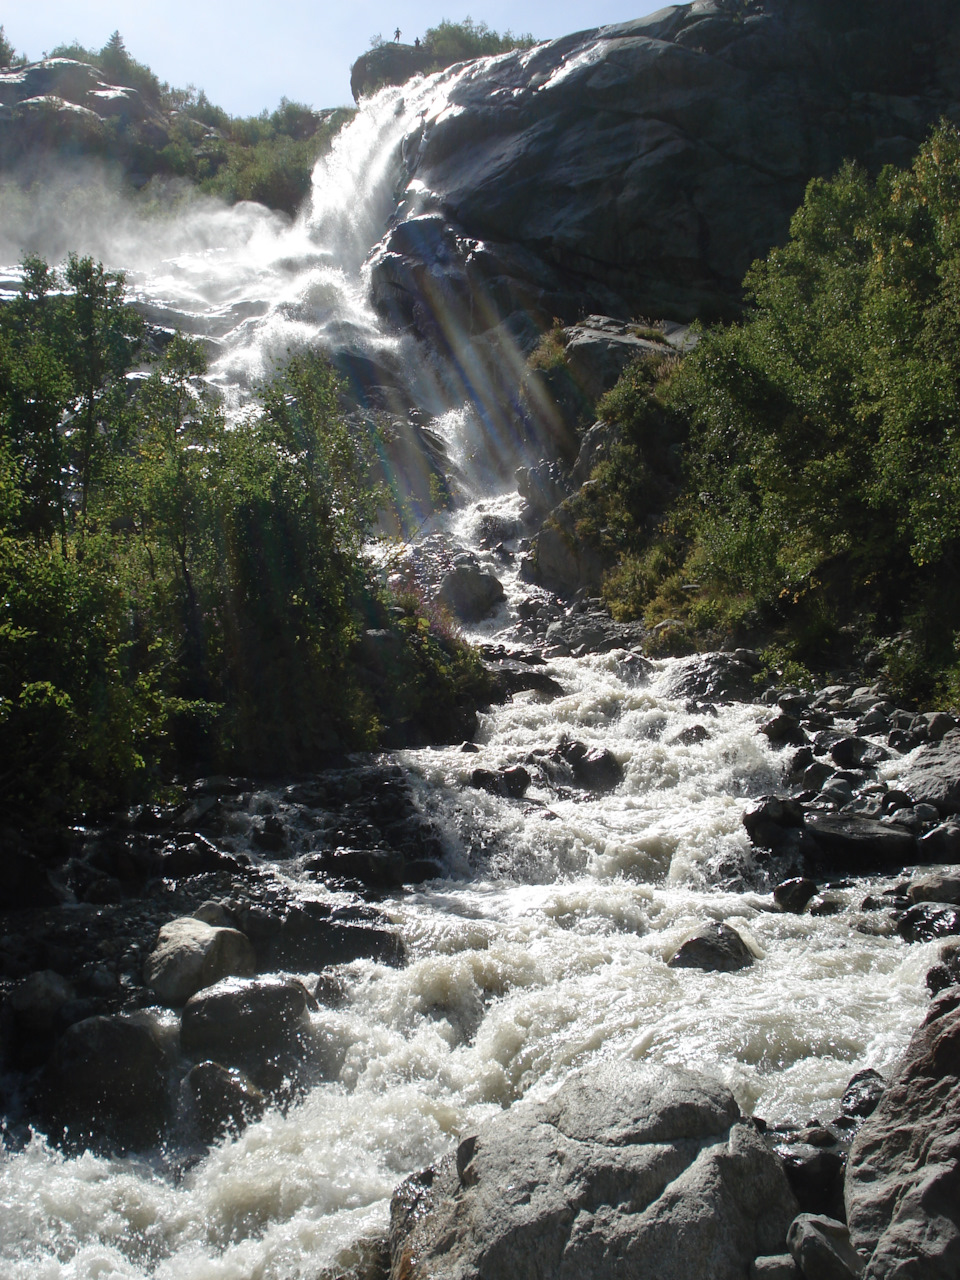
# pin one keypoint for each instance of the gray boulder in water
(470, 593)
(627, 1169)
(902, 1187)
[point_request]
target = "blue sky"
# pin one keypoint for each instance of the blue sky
(247, 54)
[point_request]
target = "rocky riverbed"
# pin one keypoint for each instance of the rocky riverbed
(192, 973)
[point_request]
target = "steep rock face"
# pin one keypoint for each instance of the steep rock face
(648, 164)
(625, 1170)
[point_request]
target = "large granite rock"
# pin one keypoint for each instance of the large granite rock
(651, 162)
(191, 954)
(902, 1187)
(933, 776)
(626, 1170)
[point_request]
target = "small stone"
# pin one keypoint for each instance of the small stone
(793, 895)
(821, 1248)
(864, 1090)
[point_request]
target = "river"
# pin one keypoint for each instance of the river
(545, 942)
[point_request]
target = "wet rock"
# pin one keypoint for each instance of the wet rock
(933, 776)
(939, 886)
(717, 949)
(24, 881)
(508, 679)
(848, 752)
(512, 782)
(239, 1018)
(596, 768)
(36, 1000)
(306, 938)
(223, 1099)
(692, 736)
(191, 954)
(942, 844)
(862, 1094)
(777, 1266)
(903, 1172)
(821, 1248)
(190, 854)
(773, 822)
(815, 1174)
(928, 920)
(861, 844)
(717, 677)
(624, 1161)
(947, 972)
(105, 1082)
(793, 895)
(470, 593)
(783, 731)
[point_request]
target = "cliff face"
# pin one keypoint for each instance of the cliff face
(641, 168)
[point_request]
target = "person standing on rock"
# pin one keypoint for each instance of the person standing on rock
(396, 35)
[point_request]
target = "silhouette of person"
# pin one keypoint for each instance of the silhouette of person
(416, 43)
(396, 35)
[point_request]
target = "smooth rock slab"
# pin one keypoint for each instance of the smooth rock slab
(627, 1170)
(191, 954)
(902, 1187)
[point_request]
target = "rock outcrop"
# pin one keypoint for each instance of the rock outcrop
(627, 1168)
(903, 1173)
(641, 168)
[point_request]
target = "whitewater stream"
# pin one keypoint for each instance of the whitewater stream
(546, 941)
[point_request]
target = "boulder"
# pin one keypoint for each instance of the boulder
(821, 1248)
(933, 775)
(470, 593)
(902, 1187)
(939, 886)
(862, 1094)
(512, 782)
(861, 844)
(238, 1018)
(223, 1098)
(627, 1169)
(793, 895)
(106, 1082)
(717, 949)
(928, 920)
(716, 677)
(191, 954)
(594, 767)
(941, 844)
(37, 1000)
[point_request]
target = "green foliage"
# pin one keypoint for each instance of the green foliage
(450, 42)
(550, 352)
(822, 494)
(177, 593)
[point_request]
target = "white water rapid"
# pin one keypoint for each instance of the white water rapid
(545, 943)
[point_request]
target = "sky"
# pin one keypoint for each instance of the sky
(248, 54)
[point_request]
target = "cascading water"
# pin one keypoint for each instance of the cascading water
(545, 942)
